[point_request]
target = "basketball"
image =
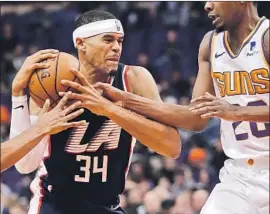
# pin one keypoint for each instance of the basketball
(46, 83)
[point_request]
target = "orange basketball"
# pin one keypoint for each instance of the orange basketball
(46, 83)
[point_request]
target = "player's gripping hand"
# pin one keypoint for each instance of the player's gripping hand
(110, 92)
(208, 106)
(31, 63)
(57, 119)
(90, 97)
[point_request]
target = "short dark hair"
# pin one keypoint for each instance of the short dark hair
(93, 16)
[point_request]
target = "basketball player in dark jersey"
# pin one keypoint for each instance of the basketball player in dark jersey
(83, 170)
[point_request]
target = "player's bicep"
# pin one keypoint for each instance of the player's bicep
(204, 82)
(143, 84)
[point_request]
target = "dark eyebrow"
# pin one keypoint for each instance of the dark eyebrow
(108, 36)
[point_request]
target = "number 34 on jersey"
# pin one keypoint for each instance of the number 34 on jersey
(108, 135)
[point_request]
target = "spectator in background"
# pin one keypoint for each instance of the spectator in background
(5, 112)
(218, 156)
(178, 185)
(198, 199)
(8, 39)
(5, 121)
(7, 69)
(33, 48)
(17, 208)
(170, 14)
(180, 86)
(183, 203)
(135, 18)
(170, 165)
(137, 171)
(134, 200)
(154, 167)
(172, 48)
(203, 174)
(151, 204)
(167, 206)
(164, 89)
(184, 101)
(5, 115)
(192, 80)
(143, 61)
(18, 56)
(170, 99)
(169, 58)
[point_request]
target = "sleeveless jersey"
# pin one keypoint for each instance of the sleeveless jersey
(243, 80)
(88, 163)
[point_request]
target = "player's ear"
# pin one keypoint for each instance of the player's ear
(80, 44)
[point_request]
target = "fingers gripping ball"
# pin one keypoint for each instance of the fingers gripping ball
(46, 83)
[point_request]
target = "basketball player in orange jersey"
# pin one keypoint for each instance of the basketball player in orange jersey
(232, 84)
(83, 170)
(48, 123)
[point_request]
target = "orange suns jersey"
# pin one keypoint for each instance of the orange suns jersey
(243, 80)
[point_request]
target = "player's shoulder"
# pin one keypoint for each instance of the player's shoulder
(135, 71)
(205, 46)
(138, 74)
(208, 36)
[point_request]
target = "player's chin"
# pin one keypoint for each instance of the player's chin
(112, 66)
(219, 28)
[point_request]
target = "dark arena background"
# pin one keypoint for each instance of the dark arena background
(163, 37)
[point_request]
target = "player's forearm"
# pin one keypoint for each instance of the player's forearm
(32, 159)
(163, 139)
(16, 148)
(253, 114)
(170, 114)
(17, 92)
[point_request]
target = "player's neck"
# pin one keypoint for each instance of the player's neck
(93, 76)
(240, 32)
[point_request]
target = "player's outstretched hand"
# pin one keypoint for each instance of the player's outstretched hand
(31, 63)
(90, 97)
(210, 106)
(110, 92)
(57, 119)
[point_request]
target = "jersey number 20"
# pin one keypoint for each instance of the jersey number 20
(253, 126)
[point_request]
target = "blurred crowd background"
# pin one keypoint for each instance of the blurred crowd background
(163, 37)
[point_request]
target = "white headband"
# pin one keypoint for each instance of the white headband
(98, 27)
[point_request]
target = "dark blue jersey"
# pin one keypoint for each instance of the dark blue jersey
(89, 163)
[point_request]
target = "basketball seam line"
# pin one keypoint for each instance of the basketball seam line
(31, 92)
(55, 79)
(43, 87)
(35, 95)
